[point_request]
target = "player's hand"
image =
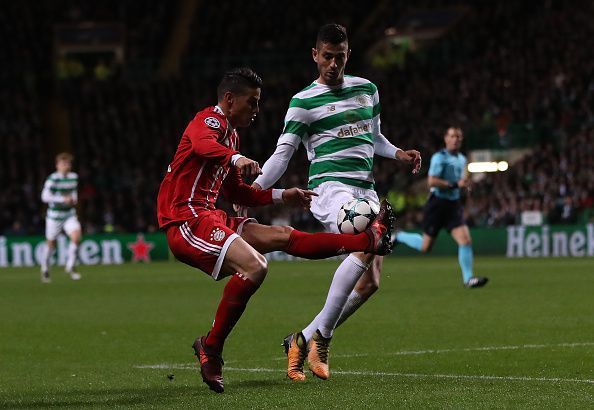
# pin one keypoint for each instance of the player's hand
(412, 157)
(298, 197)
(68, 200)
(465, 183)
(248, 167)
(240, 210)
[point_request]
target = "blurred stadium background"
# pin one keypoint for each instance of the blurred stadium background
(116, 82)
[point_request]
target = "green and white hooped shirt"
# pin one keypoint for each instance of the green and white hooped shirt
(337, 125)
(57, 186)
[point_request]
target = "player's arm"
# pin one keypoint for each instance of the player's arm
(465, 181)
(295, 129)
(238, 192)
(275, 166)
(74, 194)
(47, 196)
(385, 148)
(205, 142)
(434, 179)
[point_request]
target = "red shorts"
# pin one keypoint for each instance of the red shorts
(202, 242)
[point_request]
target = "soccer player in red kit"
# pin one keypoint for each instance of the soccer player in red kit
(207, 162)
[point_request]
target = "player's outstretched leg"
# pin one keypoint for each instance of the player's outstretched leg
(296, 351)
(375, 239)
(381, 230)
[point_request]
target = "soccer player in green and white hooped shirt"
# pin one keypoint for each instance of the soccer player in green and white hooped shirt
(337, 119)
(60, 195)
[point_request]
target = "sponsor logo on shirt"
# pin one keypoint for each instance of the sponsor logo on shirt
(212, 122)
(350, 131)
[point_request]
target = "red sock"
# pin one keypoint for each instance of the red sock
(323, 245)
(236, 294)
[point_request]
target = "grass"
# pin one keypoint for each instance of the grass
(524, 341)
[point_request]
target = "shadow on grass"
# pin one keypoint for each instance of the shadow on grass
(107, 397)
(141, 396)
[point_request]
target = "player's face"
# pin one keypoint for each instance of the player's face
(331, 60)
(63, 166)
(453, 139)
(244, 107)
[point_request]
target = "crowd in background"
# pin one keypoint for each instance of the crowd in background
(502, 64)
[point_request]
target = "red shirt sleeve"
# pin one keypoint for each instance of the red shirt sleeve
(238, 192)
(205, 134)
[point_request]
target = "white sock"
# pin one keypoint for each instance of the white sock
(343, 283)
(72, 248)
(45, 259)
(353, 303)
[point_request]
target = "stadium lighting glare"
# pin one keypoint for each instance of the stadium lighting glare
(480, 167)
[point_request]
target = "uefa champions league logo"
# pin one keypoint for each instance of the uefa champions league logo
(212, 122)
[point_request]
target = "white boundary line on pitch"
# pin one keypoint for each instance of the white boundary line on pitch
(465, 349)
(381, 374)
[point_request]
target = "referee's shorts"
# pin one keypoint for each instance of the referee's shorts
(442, 213)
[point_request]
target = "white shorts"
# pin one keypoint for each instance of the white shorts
(333, 195)
(53, 227)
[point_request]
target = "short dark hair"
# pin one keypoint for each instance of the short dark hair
(238, 80)
(331, 33)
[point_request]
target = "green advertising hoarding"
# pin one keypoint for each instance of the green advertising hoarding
(520, 242)
(105, 249)
(513, 242)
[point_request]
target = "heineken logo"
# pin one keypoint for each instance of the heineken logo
(532, 244)
(20, 253)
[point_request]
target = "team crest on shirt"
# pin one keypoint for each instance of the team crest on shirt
(212, 122)
(217, 235)
(362, 100)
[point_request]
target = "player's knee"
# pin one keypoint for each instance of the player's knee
(257, 268)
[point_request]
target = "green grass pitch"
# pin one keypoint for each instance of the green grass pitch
(524, 341)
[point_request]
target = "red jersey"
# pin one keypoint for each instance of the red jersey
(201, 168)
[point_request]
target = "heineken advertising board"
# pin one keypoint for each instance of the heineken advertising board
(513, 242)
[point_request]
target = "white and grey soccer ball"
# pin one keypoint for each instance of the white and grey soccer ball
(356, 215)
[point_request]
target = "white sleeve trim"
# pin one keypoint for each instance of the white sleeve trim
(384, 148)
(275, 166)
(235, 158)
(277, 196)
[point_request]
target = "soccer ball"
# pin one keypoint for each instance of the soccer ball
(356, 215)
